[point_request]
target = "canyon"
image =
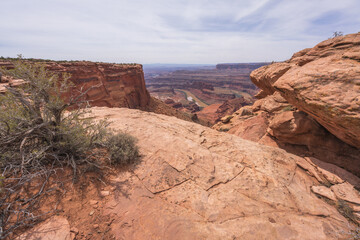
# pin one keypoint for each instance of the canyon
(285, 167)
(210, 92)
(106, 84)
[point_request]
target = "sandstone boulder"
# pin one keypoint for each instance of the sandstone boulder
(310, 104)
(323, 82)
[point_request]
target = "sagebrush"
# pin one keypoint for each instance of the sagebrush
(44, 127)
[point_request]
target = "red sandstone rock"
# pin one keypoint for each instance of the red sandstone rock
(266, 76)
(346, 191)
(169, 101)
(215, 112)
(324, 191)
(251, 128)
(120, 85)
(323, 82)
(318, 112)
(55, 228)
(197, 183)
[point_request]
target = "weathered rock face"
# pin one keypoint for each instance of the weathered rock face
(197, 183)
(308, 105)
(215, 112)
(119, 85)
(323, 82)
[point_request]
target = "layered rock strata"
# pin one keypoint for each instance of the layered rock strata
(117, 85)
(309, 105)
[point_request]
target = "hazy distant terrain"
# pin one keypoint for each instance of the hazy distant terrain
(200, 85)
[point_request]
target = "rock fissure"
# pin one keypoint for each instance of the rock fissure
(227, 181)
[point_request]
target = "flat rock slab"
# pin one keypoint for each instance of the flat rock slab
(196, 183)
(55, 228)
(346, 191)
(324, 192)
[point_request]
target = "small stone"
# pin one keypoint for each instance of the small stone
(93, 202)
(104, 193)
(74, 230)
(226, 119)
(272, 220)
(91, 213)
(96, 225)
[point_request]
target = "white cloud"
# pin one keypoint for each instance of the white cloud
(170, 31)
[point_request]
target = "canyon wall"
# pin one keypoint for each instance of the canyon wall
(309, 105)
(118, 85)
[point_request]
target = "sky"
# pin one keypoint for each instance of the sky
(171, 31)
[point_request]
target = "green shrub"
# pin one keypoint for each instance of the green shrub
(122, 148)
(35, 124)
(287, 108)
(337, 34)
(43, 126)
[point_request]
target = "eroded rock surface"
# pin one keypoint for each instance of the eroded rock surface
(323, 82)
(309, 105)
(196, 183)
(118, 85)
(214, 112)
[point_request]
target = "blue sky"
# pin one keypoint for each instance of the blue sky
(171, 31)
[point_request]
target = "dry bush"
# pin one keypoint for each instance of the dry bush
(122, 148)
(38, 135)
(344, 208)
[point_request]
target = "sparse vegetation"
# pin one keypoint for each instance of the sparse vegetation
(39, 134)
(355, 235)
(224, 129)
(337, 34)
(344, 208)
(287, 108)
(122, 148)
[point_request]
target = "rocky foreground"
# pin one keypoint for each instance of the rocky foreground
(197, 183)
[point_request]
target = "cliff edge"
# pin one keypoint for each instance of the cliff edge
(118, 85)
